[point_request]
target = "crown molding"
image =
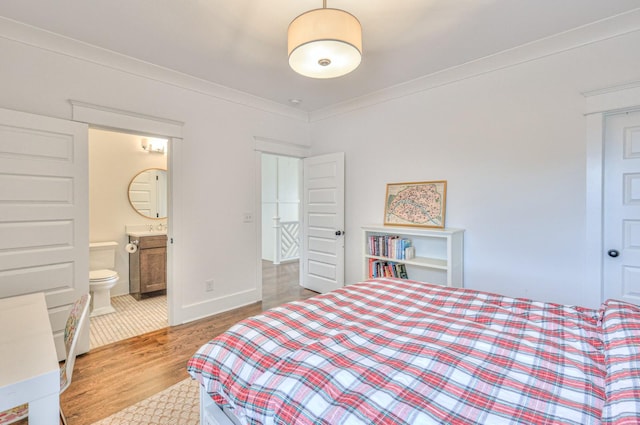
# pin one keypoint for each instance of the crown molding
(615, 26)
(55, 43)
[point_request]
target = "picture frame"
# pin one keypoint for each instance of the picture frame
(416, 204)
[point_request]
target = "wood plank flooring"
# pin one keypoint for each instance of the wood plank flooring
(115, 376)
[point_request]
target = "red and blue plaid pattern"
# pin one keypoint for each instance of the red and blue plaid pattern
(621, 334)
(392, 351)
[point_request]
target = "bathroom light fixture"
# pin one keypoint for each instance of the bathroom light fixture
(325, 43)
(154, 145)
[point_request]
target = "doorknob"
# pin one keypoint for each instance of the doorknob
(613, 253)
(339, 232)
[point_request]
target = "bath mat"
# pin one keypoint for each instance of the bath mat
(132, 318)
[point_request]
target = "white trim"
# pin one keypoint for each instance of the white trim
(202, 309)
(258, 221)
(133, 122)
(615, 26)
(56, 43)
(176, 314)
(613, 99)
(118, 119)
(600, 104)
(279, 147)
(266, 145)
(617, 88)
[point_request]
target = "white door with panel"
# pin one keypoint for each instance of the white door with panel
(44, 213)
(322, 256)
(621, 239)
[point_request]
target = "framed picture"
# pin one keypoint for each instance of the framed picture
(420, 204)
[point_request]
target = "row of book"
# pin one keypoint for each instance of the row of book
(391, 246)
(379, 268)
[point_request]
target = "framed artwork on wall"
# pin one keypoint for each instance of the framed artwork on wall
(419, 204)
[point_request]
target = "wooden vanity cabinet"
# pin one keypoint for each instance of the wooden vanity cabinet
(148, 265)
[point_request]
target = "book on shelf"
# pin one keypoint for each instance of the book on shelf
(402, 271)
(381, 268)
(409, 253)
(388, 246)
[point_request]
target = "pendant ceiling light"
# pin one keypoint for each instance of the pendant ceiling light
(325, 43)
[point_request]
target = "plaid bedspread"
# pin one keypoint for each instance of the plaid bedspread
(391, 351)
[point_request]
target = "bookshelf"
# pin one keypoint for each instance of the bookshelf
(438, 253)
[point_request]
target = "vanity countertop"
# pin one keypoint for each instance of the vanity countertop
(141, 234)
(142, 230)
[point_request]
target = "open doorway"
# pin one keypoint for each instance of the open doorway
(280, 212)
(127, 194)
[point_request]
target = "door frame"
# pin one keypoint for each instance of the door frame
(263, 145)
(599, 105)
(106, 118)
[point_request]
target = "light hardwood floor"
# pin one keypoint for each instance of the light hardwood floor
(115, 376)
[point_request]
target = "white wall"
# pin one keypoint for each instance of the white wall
(511, 144)
(217, 169)
(114, 159)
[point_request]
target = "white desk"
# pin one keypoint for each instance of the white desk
(29, 371)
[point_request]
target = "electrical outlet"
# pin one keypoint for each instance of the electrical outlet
(247, 217)
(208, 285)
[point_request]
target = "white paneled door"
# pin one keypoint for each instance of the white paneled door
(44, 213)
(322, 256)
(622, 207)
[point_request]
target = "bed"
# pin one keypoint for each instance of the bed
(391, 351)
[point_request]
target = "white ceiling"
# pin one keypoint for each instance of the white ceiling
(242, 44)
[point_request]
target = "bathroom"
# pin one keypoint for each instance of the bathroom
(115, 159)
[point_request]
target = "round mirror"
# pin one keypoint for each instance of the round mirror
(148, 193)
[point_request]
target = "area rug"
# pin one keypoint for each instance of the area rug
(177, 405)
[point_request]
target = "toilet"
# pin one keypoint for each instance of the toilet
(102, 276)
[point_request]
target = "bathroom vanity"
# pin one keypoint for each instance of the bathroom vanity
(148, 265)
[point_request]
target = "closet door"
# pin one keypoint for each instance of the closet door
(621, 235)
(44, 213)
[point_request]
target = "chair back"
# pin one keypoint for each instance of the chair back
(78, 317)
